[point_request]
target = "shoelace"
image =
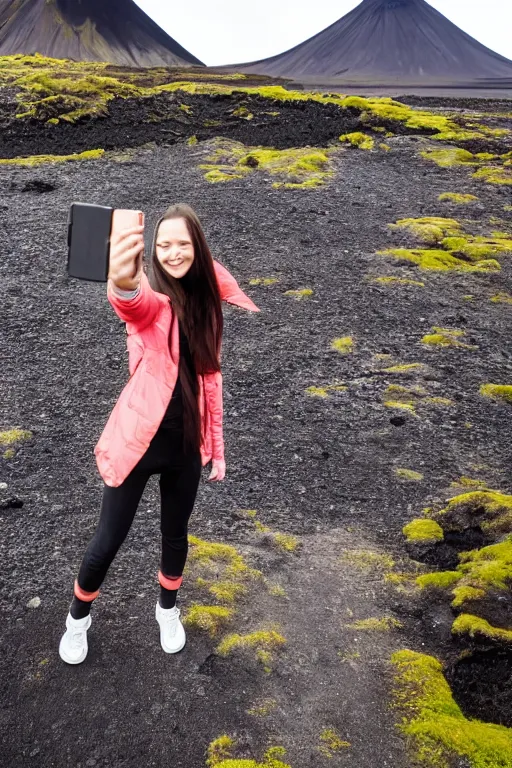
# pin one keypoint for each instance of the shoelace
(77, 638)
(171, 621)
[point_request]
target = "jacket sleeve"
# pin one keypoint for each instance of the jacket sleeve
(229, 289)
(141, 310)
(213, 390)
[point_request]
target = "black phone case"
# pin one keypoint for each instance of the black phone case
(89, 229)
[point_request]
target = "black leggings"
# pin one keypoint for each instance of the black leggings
(179, 481)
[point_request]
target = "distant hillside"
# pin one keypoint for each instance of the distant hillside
(117, 31)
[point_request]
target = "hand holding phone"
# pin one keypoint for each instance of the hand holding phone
(126, 257)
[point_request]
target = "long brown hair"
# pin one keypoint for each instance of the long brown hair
(196, 303)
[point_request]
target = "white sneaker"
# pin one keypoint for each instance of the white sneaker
(73, 644)
(172, 634)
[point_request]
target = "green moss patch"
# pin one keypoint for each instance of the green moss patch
(383, 624)
(474, 626)
(344, 345)
(480, 573)
(491, 510)
(35, 160)
(263, 642)
(430, 229)
(422, 529)
(408, 474)
(323, 392)
(392, 280)
(359, 140)
(300, 293)
(220, 755)
(447, 158)
(366, 560)
(502, 297)
(263, 708)
(404, 368)
(451, 248)
(435, 724)
(446, 337)
(209, 618)
(14, 436)
(331, 742)
(494, 175)
(263, 280)
(457, 198)
(497, 391)
(410, 398)
(293, 168)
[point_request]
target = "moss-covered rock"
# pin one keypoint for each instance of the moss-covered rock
(423, 530)
(476, 627)
(435, 724)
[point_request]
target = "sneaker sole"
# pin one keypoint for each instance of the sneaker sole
(72, 661)
(174, 650)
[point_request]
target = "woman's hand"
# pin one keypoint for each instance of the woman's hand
(126, 258)
(218, 470)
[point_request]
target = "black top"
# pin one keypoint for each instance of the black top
(173, 417)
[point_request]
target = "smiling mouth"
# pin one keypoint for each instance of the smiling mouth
(175, 265)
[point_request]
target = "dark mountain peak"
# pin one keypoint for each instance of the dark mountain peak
(391, 42)
(116, 31)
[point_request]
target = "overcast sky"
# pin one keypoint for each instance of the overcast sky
(235, 31)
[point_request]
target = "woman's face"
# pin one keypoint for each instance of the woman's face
(174, 247)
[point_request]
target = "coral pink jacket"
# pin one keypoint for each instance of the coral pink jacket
(153, 369)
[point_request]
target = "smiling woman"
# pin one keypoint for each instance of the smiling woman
(174, 247)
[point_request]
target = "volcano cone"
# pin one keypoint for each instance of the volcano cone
(115, 31)
(391, 41)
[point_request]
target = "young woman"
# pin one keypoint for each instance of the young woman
(168, 418)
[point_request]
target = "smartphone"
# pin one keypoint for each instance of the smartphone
(90, 228)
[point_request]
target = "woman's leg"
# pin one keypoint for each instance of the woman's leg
(178, 489)
(118, 509)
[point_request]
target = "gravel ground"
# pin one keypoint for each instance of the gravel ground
(320, 469)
